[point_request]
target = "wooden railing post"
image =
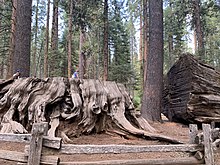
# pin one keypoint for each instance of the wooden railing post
(38, 130)
(193, 131)
(209, 154)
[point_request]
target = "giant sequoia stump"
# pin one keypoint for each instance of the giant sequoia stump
(192, 91)
(72, 107)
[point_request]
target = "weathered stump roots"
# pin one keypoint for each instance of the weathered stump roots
(72, 107)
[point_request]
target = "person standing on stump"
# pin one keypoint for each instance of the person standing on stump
(75, 74)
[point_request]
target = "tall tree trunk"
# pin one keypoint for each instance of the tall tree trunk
(146, 32)
(70, 39)
(34, 59)
(198, 29)
(23, 38)
(46, 41)
(12, 39)
(82, 59)
(105, 40)
(54, 41)
(152, 98)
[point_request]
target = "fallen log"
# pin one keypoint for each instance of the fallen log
(192, 92)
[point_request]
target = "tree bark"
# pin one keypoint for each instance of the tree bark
(151, 101)
(146, 43)
(23, 38)
(105, 49)
(46, 41)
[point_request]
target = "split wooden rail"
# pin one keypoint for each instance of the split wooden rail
(201, 146)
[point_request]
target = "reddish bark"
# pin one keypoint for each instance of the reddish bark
(151, 102)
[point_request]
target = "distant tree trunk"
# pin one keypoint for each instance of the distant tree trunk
(170, 43)
(1, 5)
(21, 60)
(82, 59)
(34, 69)
(12, 39)
(54, 40)
(106, 40)
(198, 29)
(195, 40)
(146, 32)
(70, 39)
(141, 41)
(46, 41)
(152, 98)
(39, 64)
(170, 40)
(1, 14)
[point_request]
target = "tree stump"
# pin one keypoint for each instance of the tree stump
(192, 92)
(72, 107)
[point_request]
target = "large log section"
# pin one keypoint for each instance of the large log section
(192, 91)
(72, 107)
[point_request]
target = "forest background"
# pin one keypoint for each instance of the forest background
(105, 39)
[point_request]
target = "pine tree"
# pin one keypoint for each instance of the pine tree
(120, 63)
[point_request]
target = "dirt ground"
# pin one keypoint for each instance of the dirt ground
(171, 129)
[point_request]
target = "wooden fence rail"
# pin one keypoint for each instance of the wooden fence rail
(200, 145)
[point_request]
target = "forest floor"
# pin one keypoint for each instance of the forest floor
(171, 129)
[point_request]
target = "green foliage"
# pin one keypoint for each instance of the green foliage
(179, 21)
(84, 12)
(5, 32)
(124, 65)
(120, 60)
(176, 15)
(211, 17)
(40, 40)
(87, 16)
